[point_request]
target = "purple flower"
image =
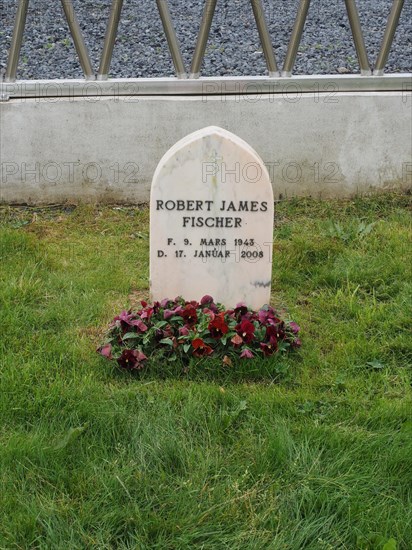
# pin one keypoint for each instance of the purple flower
(124, 319)
(184, 331)
(240, 310)
(270, 348)
(124, 316)
(131, 359)
(263, 316)
(168, 313)
(246, 354)
(146, 313)
(106, 351)
(127, 320)
(138, 323)
(206, 300)
(295, 327)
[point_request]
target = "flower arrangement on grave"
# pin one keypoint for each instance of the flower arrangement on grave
(180, 329)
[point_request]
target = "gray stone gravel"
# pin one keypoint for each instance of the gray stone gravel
(233, 47)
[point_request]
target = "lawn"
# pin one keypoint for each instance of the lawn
(310, 451)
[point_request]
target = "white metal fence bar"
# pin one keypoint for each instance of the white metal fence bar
(393, 21)
(357, 34)
(78, 40)
(163, 7)
(265, 37)
(202, 37)
(110, 37)
(16, 40)
(295, 38)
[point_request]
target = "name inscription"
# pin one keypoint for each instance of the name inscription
(181, 205)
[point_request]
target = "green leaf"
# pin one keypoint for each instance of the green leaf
(282, 345)
(167, 341)
(390, 545)
(186, 347)
(129, 335)
(364, 229)
(375, 364)
(19, 224)
(177, 319)
(242, 406)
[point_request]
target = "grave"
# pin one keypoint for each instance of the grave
(211, 221)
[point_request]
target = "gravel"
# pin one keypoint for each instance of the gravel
(233, 48)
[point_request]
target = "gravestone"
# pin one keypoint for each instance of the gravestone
(211, 221)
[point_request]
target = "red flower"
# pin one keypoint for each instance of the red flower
(146, 313)
(217, 327)
(246, 330)
(189, 314)
(132, 359)
(246, 354)
(270, 348)
(200, 349)
(273, 334)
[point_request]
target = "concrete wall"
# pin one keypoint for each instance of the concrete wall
(106, 149)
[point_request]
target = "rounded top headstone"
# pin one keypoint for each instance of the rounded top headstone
(211, 221)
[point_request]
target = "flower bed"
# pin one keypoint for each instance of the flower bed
(180, 329)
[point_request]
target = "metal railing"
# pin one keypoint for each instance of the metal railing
(181, 71)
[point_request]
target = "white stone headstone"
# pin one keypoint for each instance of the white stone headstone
(211, 221)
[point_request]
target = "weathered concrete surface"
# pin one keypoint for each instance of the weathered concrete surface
(106, 149)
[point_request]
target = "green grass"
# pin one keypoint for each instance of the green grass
(314, 452)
